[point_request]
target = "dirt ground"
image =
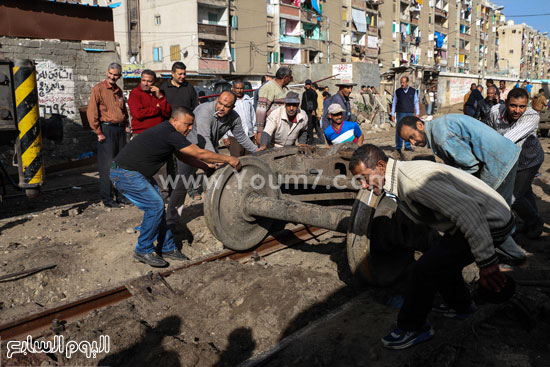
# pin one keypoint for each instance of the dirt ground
(223, 313)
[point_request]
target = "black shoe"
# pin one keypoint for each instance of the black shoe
(151, 259)
(122, 200)
(175, 255)
(110, 204)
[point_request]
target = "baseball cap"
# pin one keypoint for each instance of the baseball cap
(335, 108)
(292, 97)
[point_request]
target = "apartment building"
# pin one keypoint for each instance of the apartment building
(524, 51)
(228, 37)
(360, 36)
(303, 32)
(455, 36)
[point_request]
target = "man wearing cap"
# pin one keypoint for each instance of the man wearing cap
(342, 131)
(309, 105)
(405, 103)
(342, 98)
(285, 125)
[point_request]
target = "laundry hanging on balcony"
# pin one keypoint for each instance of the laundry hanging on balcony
(359, 20)
(439, 39)
(315, 5)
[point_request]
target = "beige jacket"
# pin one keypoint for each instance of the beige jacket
(281, 130)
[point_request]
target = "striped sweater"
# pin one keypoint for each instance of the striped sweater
(522, 132)
(447, 199)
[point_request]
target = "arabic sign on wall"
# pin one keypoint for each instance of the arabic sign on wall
(132, 70)
(55, 86)
(344, 71)
(458, 87)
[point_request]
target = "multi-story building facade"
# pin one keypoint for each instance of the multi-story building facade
(305, 32)
(360, 36)
(242, 37)
(453, 36)
(524, 51)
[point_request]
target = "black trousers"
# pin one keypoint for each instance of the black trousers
(438, 270)
(115, 140)
(312, 124)
(525, 204)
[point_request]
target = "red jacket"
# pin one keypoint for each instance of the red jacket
(147, 110)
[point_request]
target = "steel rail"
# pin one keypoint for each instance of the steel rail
(41, 322)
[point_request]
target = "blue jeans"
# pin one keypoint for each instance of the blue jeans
(398, 140)
(145, 195)
(429, 108)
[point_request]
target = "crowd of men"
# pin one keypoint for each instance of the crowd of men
(488, 169)
(191, 127)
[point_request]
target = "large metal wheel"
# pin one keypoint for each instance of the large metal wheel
(369, 260)
(225, 198)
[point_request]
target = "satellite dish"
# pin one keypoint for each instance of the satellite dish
(132, 60)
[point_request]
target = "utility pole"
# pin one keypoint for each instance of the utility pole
(229, 28)
(328, 38)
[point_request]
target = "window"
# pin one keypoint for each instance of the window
(513, 31)
(273, 57)
(157, 54)
(212, 18)
(157, 19)
(234, 21)
(511, 51)
(175, 53)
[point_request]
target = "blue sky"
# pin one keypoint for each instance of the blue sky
(522, 7)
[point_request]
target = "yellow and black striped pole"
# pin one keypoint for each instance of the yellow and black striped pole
(31, 165)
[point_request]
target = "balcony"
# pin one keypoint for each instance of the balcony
(212, 32)
(293, 40)
(440, 13)
(289, 11)
(405, 2)
(372, 30)
(213, 3)
(371, 51)
(374, 2)
(213, 66)
(358, 4)
(308, 16)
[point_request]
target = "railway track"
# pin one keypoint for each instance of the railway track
(46, 322)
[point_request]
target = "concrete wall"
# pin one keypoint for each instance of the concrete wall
(66, 74)
(252, 26)
(363, 74)
(453, 86)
